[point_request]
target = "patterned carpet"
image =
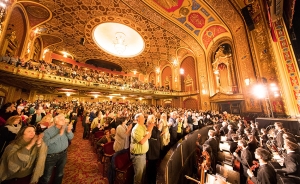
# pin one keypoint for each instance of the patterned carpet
(82, 166)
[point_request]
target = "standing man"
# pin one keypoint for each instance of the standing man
(245, 160)
(279, 136)
(173, 124)
(213, 143)
(291, 160)
(139, 146)
(266, 173)
(56, 138)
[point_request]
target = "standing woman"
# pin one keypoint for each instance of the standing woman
(23, 160)
(86, 124)
(9, 131)
(165, 134)
(153, 153)
(122, 136)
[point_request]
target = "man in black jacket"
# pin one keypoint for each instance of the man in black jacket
(213, 143)
(279, 136)
(245, 159)
(291, 160)
(266, 173)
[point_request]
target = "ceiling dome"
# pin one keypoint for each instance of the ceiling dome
(118, 39)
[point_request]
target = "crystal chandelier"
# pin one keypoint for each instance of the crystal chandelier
(120, 42)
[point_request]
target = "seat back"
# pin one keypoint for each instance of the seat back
(122, 159)
(99, 134)
(108, 148)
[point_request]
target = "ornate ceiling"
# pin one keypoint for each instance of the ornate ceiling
(165, 25)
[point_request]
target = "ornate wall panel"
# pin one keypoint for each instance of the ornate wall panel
(166, 77)
(189, 76)
(17, 24)
(190, 103)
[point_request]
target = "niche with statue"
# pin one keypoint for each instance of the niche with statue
(223, 70)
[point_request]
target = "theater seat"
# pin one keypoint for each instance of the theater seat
(96, 136)
(124, 169)
(108, 151)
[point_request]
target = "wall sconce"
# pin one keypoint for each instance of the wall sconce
(134, 72)
(247, 81)
(216, 72)
(175, 62)
(181, 71)
(157, 70)
(203, 91)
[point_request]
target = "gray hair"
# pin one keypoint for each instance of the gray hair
(59, 116)
(136, 117)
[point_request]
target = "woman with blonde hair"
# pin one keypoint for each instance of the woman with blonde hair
(23, 160)
(165, 134)
(9, 131)
(46, 122)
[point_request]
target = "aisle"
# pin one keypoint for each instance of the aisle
(82, 167)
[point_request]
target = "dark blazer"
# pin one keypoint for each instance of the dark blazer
(223, 130)
(6, 137)
(265, 175)
(255, 132)
(245, 160)
(279, 139)
(154, 145)
(228, 136)
(240, 132)
(33, 119)
(233, 147)
(292, 164)
(213, 143)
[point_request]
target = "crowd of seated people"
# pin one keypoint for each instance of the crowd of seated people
(84, 74)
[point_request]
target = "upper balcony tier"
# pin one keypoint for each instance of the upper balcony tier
(10, 74)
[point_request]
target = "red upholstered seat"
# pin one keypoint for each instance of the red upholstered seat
(98, 134)
(108, 151)
(124, 168)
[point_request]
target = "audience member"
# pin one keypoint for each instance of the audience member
(57, 139)
(23, 160)
(9, 131)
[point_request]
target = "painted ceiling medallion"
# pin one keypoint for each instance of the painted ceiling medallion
(38, 12)
(118, 39)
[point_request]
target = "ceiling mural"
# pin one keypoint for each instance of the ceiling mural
(164, 25)
(50, 40)
(73, 21)
(169, 5)
(211, 33)
(193, 16)
(36, 13)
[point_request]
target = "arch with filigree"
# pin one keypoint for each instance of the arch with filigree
(228, 63)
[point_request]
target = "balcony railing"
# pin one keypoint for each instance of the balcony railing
(60, 79)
